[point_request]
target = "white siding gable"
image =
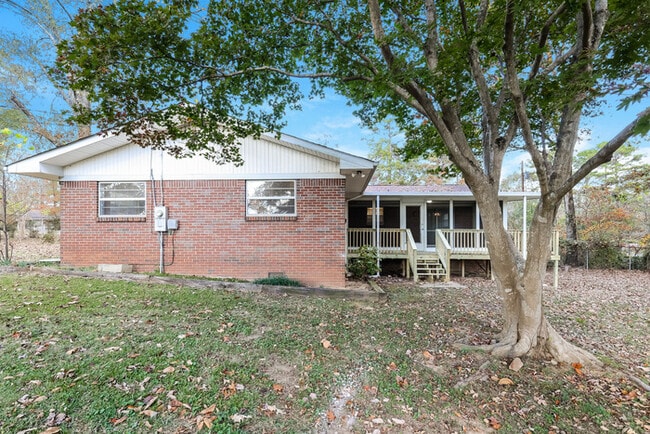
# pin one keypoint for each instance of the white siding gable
(263, 159)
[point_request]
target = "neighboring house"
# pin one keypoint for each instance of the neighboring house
(282, 212)
(35, 223)
(294, 208)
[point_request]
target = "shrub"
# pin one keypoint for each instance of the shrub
(366, 264)
(49, 237)
(278, 281)
(606, 256)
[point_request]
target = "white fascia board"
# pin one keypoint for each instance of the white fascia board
(36, 169)
(440, 194)
(209, 176)
(505, 196)
(50, 164)
(49, 170)
(519, 195)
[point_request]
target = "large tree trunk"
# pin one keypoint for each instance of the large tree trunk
(526, 331)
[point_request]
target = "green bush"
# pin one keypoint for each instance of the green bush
(278, 281)
(366, 264)
(49, 237)
(606, 256)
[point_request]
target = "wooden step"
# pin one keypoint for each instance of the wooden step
(429, 267)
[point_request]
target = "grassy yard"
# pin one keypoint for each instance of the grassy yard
(84, 355)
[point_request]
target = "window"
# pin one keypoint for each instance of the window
(122, 199)
(270, 198)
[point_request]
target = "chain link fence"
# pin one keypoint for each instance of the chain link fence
(603, 255)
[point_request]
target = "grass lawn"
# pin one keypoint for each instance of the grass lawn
(81, 355)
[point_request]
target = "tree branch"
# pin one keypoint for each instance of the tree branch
(29, 15)
(518, 98)
(369, 63)
(38, 127)
(380, 35)
(604, 154)
(431, 42)
(543, 37)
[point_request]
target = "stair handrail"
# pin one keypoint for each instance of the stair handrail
(444, 253)
(412, 253)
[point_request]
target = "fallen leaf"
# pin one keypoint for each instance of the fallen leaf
(401, 381)
(149, 400)
(493, 422)
(278, 388)
(55, 419)
(51, 430)
(271, 410)
(506, 382)
(330, 416)
(427, 355)
(116, 421)
(209, 410)
(149, 413)
(204, 422)
(239, 418)
(229, 390)
(168, 370)
(578, 368)
(326, 344)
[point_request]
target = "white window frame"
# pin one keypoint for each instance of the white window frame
(292, 197)
(101, 199)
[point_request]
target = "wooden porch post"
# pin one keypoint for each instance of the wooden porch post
(451, 214)
(377, 232)
(524, 230)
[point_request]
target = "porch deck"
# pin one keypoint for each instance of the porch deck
(435, 261)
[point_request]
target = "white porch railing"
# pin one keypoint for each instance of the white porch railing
(391, 241)
(444, 253)
(450, 244)
(412, 254)
(472, 241)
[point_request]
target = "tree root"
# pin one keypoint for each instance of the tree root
(638, 382)
(474, 377)
(553, 345)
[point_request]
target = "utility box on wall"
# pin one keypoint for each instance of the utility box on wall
(160, 219)
(172, 225)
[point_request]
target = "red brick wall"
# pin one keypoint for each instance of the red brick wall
(215, 238)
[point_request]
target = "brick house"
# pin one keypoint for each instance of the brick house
(283, 211)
